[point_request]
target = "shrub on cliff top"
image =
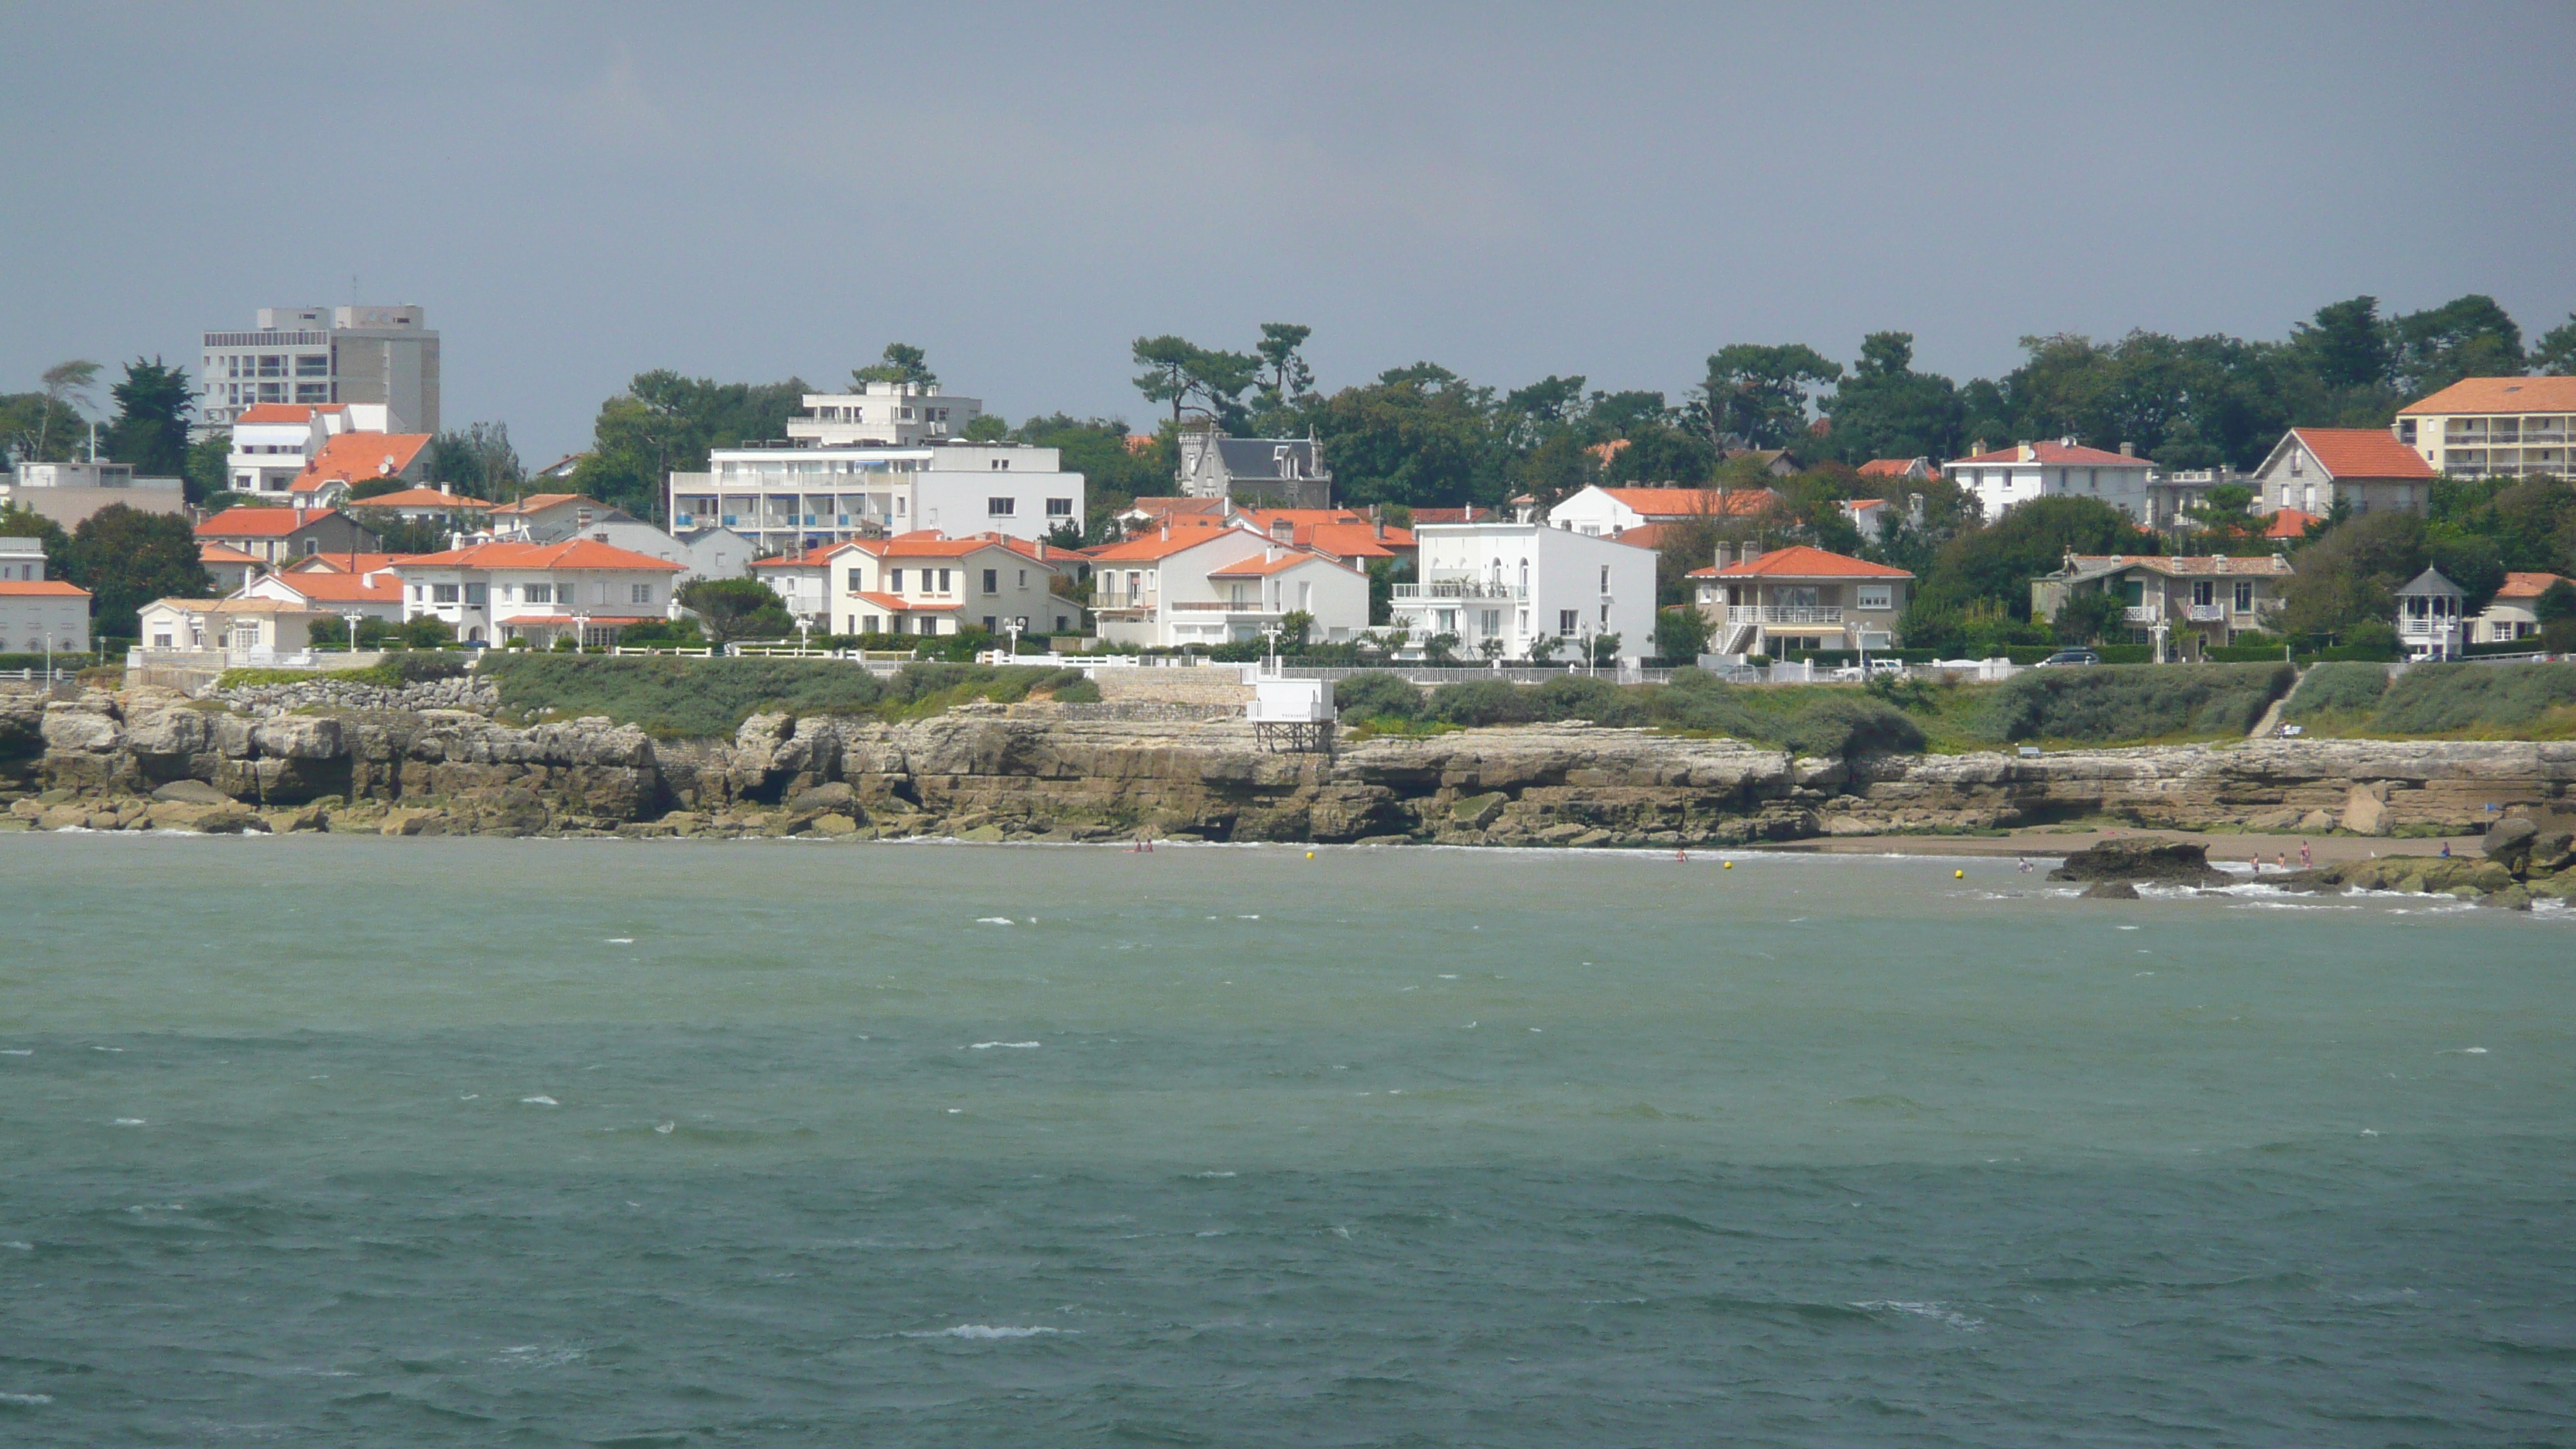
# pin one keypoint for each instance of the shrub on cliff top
(682, 698)
(1376, 694)
(2336, 689)
(1482, 702)
(2135, 701)
(2441, 698)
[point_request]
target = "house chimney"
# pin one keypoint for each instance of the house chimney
(2024, 452)
(1167, 528)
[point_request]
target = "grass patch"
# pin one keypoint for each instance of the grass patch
(672, 698)
(2337, 691)
(2103, 704)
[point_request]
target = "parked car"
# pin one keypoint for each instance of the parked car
(1875, 669)
(2064, 657)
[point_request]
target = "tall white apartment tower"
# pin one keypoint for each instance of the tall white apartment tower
(387, 356)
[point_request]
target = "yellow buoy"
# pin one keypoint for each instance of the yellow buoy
(1958, 875)
(1730, 865)
(1310, 855)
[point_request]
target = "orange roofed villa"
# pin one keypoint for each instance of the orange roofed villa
(2192, 604)
(1798, 600)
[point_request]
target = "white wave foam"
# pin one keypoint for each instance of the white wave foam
(129, 1122)
(985, 1330)
(540, 1101)
(621, 940)
(1938, 1313)
(16, 1052)
(18, 1247)
(1211, 1174)
(33, 1401)
(985, 1046)
(666, 1128)
(1007, 921)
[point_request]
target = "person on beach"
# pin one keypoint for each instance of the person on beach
(2305, 860)
(2446, 850)
(2025, 865)
(2280, 860)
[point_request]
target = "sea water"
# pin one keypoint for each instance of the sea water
(322, 1140)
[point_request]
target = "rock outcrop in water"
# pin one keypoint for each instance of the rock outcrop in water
(2127, 862)
(145, 758)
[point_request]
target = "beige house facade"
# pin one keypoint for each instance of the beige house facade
(2494, 427)
(1799, 600)
(2201, 603)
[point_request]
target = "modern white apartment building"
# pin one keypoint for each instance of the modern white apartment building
(1522, 582)
(792, 498)
(885, 414)
(2008, 477)
(2495, 427)
(387, 356)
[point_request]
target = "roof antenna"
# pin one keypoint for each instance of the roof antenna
(353, 289)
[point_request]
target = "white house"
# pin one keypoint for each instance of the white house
(320, 450)
(2513, 613)
(491, 592)
(1522, 582)
(886, 414)
(701, 553)
(1203, 582)
(243, 631)
(1603, 512)
(38, 614)
(2008, 477)
(928, 583)
(68, 493)
(375, 593)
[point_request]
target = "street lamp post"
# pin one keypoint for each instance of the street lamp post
(580, 633)
(353, 630)
(1016, 625)
(804, 629)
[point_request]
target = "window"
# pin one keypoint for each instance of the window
(477, 594)
(272, 365)
(312, 392)
(2093, 479)
(894, 583)
(2405, 430)
(442, 593)
(1001, 463)
(945, 583)
(161, 640)
(992, 581)
(989, 625)
(639, 594)
(1024, 578)
(1605, 578)
(2245, 596)
(313, 364)
(1876, 596)
(1059, 508)
(1001, 507)
(312, 546)
(1568, 620)
(2204, 592)
(540, 593)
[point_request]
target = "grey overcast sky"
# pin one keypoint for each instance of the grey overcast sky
(746, 191)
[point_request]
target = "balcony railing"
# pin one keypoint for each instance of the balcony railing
(2428, 627)
(2207, 613)
(2142, 613)
(1222, 606)
(1783, 614)
(1460, 589)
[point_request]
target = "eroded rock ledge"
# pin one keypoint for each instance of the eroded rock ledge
(147, 759)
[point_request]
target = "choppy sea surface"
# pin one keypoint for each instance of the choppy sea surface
(332, 1141)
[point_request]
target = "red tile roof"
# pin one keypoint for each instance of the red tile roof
(357, 457)
(321, 588)
(2362, 453)
(1259, 566)
(2526, 586)
(340, 562)
(419, 498)
(540, 502)
(2290, 523)
(261, 522)
(287, 412)
(812, 558)
(578, 553)
(2176, 566)
(1889, 467)
(2500, 395)
(1184, 532)
(1800, 561)
(216, 553)
(1680, 503)
(40, 589)
(1469, 514)
(2057, 453)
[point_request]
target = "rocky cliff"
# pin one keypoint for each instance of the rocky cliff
(145, 758)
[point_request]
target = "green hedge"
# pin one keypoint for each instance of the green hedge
(2127, 702)
(2441, 698)
(676, 698)
(2337, 689)
(1809, 721)
(15, 662)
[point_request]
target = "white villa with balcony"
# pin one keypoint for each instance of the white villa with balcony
(1518, 583)
(927, 583)
(1193, 582)
(2200, 602)
(886, 414)
(2008, 477)
(1799, 600)
(492, 592)
(803, 494)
